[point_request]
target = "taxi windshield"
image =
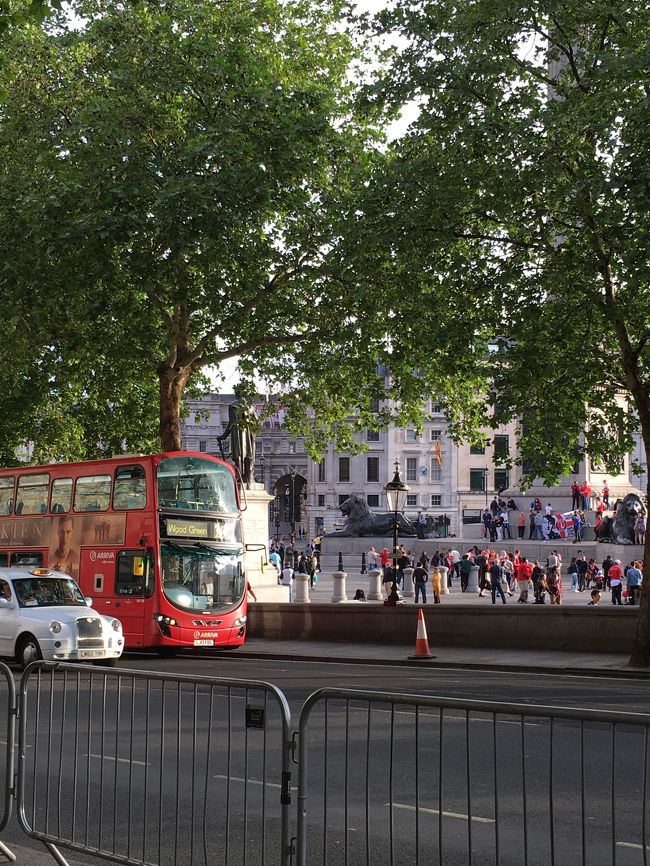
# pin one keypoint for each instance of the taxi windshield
(47, 592)
(201, 577)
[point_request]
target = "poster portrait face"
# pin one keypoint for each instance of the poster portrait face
(64, 546)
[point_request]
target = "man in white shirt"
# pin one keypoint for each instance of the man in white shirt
(455, 559)
(287, 579)
(373, 560)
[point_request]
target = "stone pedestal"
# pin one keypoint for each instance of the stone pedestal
(301, 582)
(408, 590)
(338, 594)
(472, 583)
(263, 578)
(444, 571)
(374, 584)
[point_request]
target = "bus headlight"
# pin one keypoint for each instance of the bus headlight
(168, 620)
(241, 620)
(55, 627)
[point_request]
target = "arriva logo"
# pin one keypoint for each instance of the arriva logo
(102, 555)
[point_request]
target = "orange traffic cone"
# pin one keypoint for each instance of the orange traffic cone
(422, 650)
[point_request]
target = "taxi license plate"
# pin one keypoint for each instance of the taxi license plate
(91, 654)
(203, 642)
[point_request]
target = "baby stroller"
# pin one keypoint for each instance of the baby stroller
(599, 580)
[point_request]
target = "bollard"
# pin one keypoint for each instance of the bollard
(408, 588)
(339, 587)
(301, 582)
(472, 583)
(444, 583)
(363, 563)
(340, 560)
(374, 584)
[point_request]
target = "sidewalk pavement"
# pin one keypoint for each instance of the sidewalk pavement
(516, 660)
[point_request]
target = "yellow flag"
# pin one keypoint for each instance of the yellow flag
(438, 450)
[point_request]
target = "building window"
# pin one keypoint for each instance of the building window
(373, 500)
(436, 470)
(202, 445)
(372, 435)
(266, 446)
(292, 447)
(412, 436)
(321, 500)
(344, 469)
(477, 480)
(411, 500)
(372, 468)
(501, 479)
(411, 468)
(501, 446)
(343, 497)
(435, 435)
(374, 405)
(436, 500)
(476, 449)
(321, 471)
(436, 408)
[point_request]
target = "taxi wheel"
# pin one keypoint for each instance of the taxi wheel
(28, 651)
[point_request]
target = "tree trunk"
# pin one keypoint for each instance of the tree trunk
(172, 385)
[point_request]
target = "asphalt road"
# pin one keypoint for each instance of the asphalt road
(135, 767)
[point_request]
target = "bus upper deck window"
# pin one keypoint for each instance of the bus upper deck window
(7, 485)
(32, 494)
(61, 496)
(130, 490)
(92, 493)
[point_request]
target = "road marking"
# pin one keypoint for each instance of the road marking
(408, 808)
(632, 845)
(433, 713)
(250, 781)
(119, 760)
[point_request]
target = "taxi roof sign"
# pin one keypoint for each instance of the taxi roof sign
(40, 571)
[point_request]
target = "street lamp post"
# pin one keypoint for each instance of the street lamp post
(396, 492)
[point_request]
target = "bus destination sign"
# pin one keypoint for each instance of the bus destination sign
(189, 528)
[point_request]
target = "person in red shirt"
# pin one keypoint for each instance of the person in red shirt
(524, 574)
(575, 496)
(606, 493)
(615, 578)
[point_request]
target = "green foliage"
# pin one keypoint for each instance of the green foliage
(521, 195)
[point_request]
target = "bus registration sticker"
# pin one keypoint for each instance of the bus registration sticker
(204, 638)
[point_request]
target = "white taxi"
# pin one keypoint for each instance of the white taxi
(44, 615)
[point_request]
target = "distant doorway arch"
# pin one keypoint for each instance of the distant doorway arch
(290, 496)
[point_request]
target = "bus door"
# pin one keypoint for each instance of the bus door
(133, 585)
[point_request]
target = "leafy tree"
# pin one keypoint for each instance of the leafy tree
(520, 197)
(183, 172)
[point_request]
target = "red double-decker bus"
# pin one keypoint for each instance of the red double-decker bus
(156, 541)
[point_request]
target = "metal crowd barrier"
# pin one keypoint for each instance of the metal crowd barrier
(144, 768)
(400, 779)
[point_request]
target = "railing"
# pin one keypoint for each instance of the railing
(165, 770)
(402, 779)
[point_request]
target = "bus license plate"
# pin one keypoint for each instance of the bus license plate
(203, 642)
(91, 654)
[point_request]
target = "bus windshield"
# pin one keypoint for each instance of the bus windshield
(200, 577)
(192, 483)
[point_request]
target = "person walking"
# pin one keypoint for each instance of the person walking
(634, 578)
(521, 525)
(464, 567)
(373, 560)
(607, 564)
(496, 575)
(575, 496)
(436, 585)
(524, 576)
(420, 578)
(554, 585)
(573, 574)
(538, 520)
(583, 570)
(616, 581)
(639, 529)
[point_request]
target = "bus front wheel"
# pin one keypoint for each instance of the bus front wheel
(166, 652)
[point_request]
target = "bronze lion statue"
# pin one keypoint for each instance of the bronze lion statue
(361, 521)
(619, 529)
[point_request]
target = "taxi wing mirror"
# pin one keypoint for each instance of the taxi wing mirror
(6, 602)
(89, 601)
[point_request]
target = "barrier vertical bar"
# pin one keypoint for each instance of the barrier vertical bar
(644, 802)
(550, 793)
(469, 789)
(583, 813)
(524, 790)
(496, 786)
(614, 794)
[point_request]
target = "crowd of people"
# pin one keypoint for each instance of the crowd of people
(510, 573)
(288, 559)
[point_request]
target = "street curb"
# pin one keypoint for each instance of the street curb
(616, 673)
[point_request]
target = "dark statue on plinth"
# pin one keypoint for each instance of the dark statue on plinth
(240, 429)
(361, 521)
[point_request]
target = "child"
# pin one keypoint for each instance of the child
(595, 597)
